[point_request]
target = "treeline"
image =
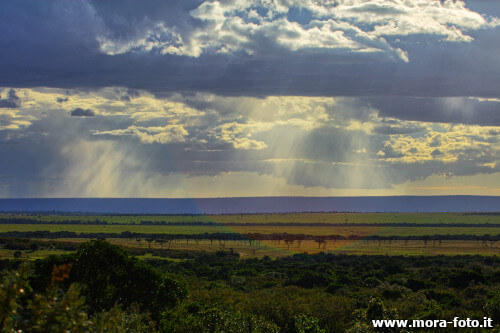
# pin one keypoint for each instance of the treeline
(326, 224)
(102, 222)
(243, 236)
(27, 244)
(20, 220)
(247, 224)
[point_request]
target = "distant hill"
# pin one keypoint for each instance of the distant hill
(255, 205)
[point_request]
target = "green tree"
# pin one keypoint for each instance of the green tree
(492, 308)
(109, 275)
(305, 324)
(59, 310)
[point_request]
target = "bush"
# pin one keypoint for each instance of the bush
(200, 319)
(310, 279)
(463, 279)
(416, 284)
(305, 324)
(492, 308)
(333, 287)
(109, 275)
(375, 310)
(371, 282)
(444, 298)
(393, 292)
(57, 310)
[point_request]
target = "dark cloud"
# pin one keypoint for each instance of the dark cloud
(347, 176)
(436, 142)
(131, 94)
(79, 112)
(62, 43)
(397, 173)
(44, 155)
(388, 129)
(445, 109)
(12, 101)
(64, 52)
(436, 152)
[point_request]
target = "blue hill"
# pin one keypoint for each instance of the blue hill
(255, 205)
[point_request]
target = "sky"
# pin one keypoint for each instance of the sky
(186, 98)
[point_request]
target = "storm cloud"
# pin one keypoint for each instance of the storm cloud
(306, 142)
(254, 48)
(12, 101)
(221, 98)
(79, 112)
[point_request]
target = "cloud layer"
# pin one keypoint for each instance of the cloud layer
(249, 97)
(267, 28)
(315, 48)
(299, 142)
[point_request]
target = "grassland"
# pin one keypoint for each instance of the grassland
(274, 249)
(326, 218)
(346, 224)
(346, 231)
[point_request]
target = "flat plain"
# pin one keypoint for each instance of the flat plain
(325, 218)
(455, 227)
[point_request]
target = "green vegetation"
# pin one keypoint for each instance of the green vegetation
(363, 233)
(324, 218)
(264, 229)
(109, 274)
(219, 292)
(193, 278)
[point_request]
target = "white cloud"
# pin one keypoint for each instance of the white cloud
(164, 134)
(239, 135)
(449, 143)
(450, 19)
(264, 27)
(13, 120)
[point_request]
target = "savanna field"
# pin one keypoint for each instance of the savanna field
(274, 235)
(296, 272)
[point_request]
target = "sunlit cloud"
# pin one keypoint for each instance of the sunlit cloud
(249, 97)
(262, 27)
(319, 143)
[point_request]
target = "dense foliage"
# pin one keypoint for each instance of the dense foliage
(101, 287)
(342, 292)
(109, 275)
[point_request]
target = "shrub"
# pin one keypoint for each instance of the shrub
(492, 308)
(416, 284)
(463, 279)
(58, 310)
(444, 297)
(310, 279)
(214, 319)
(305, 324)
(371, 282)
(108, 275)
(393, 291)
(333, 287)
